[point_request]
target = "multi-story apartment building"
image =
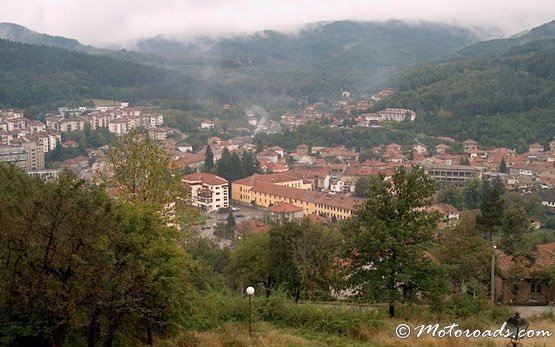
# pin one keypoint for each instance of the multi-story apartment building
(208, 191)
(452, 174)
(26, 155)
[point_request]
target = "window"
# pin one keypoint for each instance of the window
(535, 287)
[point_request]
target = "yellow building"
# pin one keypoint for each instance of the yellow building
(281, 179)
(265, 194)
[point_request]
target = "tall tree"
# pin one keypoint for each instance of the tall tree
(223, 166)
(452, 196)
(250, 164)
(302, 256)
(361, 186)
(138, 171)
(472, 194)
(516, 226)
(236, 168)
(387, 237)
(503, 166)
(464, 249)
(208, 159)
(490, 218)
(72, 257)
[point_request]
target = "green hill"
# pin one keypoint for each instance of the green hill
(500, 92)
(18, 33)
(318, 61)
(35, 75)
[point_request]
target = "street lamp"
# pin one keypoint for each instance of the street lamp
(250, 292)
(516, 327)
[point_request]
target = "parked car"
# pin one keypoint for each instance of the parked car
(239, 215)
(235, 209)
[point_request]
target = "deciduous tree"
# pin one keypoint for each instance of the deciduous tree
(387, 237)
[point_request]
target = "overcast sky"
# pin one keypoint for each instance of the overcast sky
(100, 22)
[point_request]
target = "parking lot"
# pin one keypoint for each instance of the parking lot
(244, 213)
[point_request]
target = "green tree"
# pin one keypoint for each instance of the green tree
(464, 249)
(249, 262)
(502, 166)
(514, 231)
(138, 170)
(223, 166)
(490, 218)
(230, 223)
(387, 237)
(472, 194)
(250, 164)
(208, 159)
(74, 260)
(236, 168)
(451, 195)
(302, 256)
(361, 186)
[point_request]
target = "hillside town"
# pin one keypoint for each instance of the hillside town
(309, 181)
(316, 180)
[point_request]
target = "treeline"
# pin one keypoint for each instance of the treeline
(321, 135)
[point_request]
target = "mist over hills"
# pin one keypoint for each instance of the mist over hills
(500, 92)
(316, 62)
(18, 33)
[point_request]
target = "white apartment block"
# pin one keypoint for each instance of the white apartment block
(207, 191)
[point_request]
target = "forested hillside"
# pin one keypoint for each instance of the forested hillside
(317, 61)
(35, 75)
(504, 97)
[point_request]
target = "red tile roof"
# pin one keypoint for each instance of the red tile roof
(306, 195)
(206, 178)
(271, 178)
(544, 257)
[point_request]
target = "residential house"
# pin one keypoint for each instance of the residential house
(449, 214)
(393, 147)
(285, 211)
(207, 125)
(531, 290)
(420, 149)
(469, 145)
(442, 148)
(535, 148)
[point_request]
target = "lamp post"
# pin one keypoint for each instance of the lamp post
(250, 292)
(516, 327)
(492, 273)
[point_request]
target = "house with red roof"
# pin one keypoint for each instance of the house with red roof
(286, 211)
(533, 289)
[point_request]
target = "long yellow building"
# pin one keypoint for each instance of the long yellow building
(271, 190)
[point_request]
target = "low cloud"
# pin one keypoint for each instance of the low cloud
(104, 22)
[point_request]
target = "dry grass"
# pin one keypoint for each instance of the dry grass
(266, 335)
(386, 337)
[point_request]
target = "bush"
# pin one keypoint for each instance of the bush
(213, 309)
(333, 319)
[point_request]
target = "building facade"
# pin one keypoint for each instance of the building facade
(207, 191)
